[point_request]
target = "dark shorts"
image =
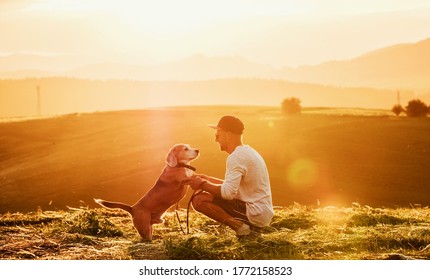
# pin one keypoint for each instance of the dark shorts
(234, 208)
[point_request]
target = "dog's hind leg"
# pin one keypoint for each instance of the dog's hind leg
(142, 223)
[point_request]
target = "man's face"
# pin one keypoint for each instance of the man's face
(221, 138)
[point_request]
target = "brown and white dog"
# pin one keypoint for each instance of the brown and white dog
(169, 189)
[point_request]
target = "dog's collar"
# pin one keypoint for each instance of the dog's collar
(180, 164)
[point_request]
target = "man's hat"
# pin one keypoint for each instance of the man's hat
(229, 123)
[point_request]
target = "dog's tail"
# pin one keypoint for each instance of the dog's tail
(109, 204)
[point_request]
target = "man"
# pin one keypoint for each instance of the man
(243, 200)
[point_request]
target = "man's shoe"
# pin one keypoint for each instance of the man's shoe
(243, 230)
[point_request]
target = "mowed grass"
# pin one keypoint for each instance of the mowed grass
(297, 232)
(322, 157)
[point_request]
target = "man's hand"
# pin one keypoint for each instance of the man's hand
(196, 182)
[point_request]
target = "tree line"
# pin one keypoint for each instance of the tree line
(415, 108)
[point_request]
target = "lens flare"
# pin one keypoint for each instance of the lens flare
(302, 173)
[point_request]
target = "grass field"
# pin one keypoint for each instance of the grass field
(347, 184)
(334, 157)
(297, 232)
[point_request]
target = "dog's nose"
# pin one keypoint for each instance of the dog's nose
(197, 151)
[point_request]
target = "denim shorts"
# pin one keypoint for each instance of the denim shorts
(235, 208)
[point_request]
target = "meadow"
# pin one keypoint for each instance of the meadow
(347, 184)
(297, 232)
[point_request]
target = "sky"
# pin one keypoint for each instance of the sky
(272, 32)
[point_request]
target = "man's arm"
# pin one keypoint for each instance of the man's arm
(211, 179)
(207, 183)
(214, 189)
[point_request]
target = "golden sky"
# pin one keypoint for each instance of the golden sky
(273, 32)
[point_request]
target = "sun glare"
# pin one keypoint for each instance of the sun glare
(302, 173)
(169, 19)
(61, 6)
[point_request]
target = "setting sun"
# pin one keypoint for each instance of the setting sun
(115, 55)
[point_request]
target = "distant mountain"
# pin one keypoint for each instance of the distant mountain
(20, 74)
(36, 62)
(399, 66)
(106, 71)
(404, 66)
(197, 67)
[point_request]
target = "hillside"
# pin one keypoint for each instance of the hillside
(399, 66)
(65, 95)
(315, 158)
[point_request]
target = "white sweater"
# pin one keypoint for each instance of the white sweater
(247, 179)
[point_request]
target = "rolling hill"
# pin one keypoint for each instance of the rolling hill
(398, 66)
(66, 95)
(312, 158)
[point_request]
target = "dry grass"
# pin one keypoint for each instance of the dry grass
(297, 232)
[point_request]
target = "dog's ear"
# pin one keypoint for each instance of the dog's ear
(171, 158)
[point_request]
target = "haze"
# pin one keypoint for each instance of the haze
(328, 53)
(274, 32)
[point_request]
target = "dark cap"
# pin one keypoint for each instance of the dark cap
(229, 123)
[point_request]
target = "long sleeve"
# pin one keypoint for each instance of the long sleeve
(233, 177)
(247, 179)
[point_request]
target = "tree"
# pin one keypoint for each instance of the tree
(291, 106)
(397, 109)
(417, 108)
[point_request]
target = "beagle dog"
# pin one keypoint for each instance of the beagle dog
(169, 189)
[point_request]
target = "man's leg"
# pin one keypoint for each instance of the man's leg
(203, 203)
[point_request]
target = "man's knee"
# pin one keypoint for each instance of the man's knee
(199, 199)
